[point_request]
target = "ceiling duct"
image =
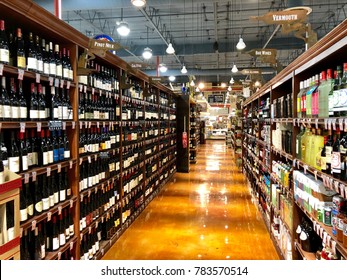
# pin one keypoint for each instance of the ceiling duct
(294, 3)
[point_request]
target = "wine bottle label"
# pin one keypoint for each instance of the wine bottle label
(10, 234)
(86, 256)
(72, 230)
(67, 234)
(70, 114)
(61, 153)
(43, 251)
(56, 197)
(51, 200)
(30, 210)
(55, 155)
(15, 112)
(55, 243)
(38, 206)
(23, 112)
(336, 162)
(66, 154)
(13, 164)
(55, 113)
(62, 239)
(6, 111)
(23, 214)
(25, 163)
(60, 112)
(52, 69)
(33, 114)
(45, 203)
(45, 158)
(90, 253)
(328, 152)
(85, 183)
(4, 56)
(42, 114)
(84, 222)
(70, 74)
(65, 113)
(68, 192)
(40, 65)
(62, 195)
(21, 61)
(50, 157)
(1, 111)
(66, 74)
(46, 68)
(32, 63)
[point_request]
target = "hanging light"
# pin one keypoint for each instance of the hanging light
(229, 88)
(232, 80)
(172, 78)
(241, 44)
(162, 68)
(201, 85)
(184, 69)
(138, 3)
(234, 69)
(170, 49)
(123, 29)
(192, 84)
(147, 53)
(197, 89)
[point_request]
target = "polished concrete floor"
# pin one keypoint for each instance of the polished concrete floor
(206, 214)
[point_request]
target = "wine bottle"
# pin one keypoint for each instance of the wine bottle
(55, 186)
(24, 246)
(64, 105)
(33, 109)
(66, 224)
(46, 58)
(36, 185)
(43, 150)
(23, 210)
(43, 238)
(37, 246)
(13, 155)
(6, 104)
(45, 194)
(68, 60)
(61, 230)
(58, 63)
(66, 146)
(39, 55)
(336, 156)
(29, 200)
(20, 60)
(23, 160)
(65, 65)
(41, 103)
(71, 223)
(14, 102)
(50, 188)
(62, 190)
(31, 54)
(35, 144)
(10, 231)
(23, 111)
(4, 45)
(49, 147)
(52, 61)
(55, 234)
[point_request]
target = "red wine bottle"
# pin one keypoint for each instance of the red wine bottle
(4, 45)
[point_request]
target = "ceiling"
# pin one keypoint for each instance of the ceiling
(203, 33)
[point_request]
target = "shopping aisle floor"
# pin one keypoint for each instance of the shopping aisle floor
(206, 214)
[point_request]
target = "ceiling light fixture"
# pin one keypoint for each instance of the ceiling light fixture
(192, 84)
(170, 49)
(229, 89)
(147, 53)
(232, 80)
(201, 85)
(184, 69)
(241, 44)
(172, 78)
(162, 68)
(123, 29)
(234, 69)
(138, 3)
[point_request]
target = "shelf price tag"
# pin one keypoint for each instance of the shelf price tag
(39, 126)
(56, 83)
(59, 256)
(48, 171)
(62, 83)
(325, 237)
(342, 190)
(33, 225)
(336, 185)
(20, 74)
(64, 125)
(80, 87)
(22, 127)
(315, 175)
(73, 123)
(316, 122)
(1, 69)
(321, 231)
(59, 209)
(26, 178)
(59, 168)
(70, 164)
(71, 246)
(305, 168)
(49, 216)
(333, 246)
(34, 176)
(38, 78)
(71, 203)
(68, 84)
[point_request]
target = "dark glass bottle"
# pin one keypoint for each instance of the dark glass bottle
(36, 186)
(45, 193)
(13, 155)
(29, 200)
(23, 211)
(19, 52)
(14, 102)
(39, 55)
(4, 45)
(23, 111)
(55, 234)
(336, 156)
(33, 107)
(31, 55)
(23, 160)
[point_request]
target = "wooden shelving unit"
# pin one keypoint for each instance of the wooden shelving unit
(156, 104)
(261, 149)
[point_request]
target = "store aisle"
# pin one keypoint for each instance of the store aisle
(205, 214)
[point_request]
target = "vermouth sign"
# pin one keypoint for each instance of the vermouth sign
(283, 17)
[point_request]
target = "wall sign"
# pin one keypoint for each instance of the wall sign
(215, 98)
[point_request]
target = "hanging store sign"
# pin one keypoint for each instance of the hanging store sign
(265, 55)
(156, 79)
(215, 98)
(283, 17)
(251, 71)
(138, 65)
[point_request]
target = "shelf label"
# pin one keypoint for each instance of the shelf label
(1, 69)
(334, 124)
(20, 74)
(336, 185)
(33, 225)
(34, 176)
(59, 256)
(71, 246)
(62, 83)
(68, 84)
(39, 125)
(48, 171)
(59, 168)
(341, 124)
(71, 203)
(59, 209)
(22, 127)
(316, 122)
(26, 178)
(38, 78)
(56, 83)
(333, 246)
(70, 164)
(64, 125)
(49, 216)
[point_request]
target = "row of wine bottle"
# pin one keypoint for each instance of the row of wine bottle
(48, 236)
(34, 104)
(24, 150)
(34, 54)
(41, 193)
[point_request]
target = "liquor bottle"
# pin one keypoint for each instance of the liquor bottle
(328, 151)
(61, 146)
(58, 62)
(336, 91)
(39, 55)
(19, 52)
(304, 143)
(31, 53)
(315, 96)
(6, 103)
(336, 156)
(51, 60)
(61, 230)
(33, 107)
(23, 210)
(23, 160)
(37, 195)
(343, 92)
(68, 60)
(323, 96)
(14, 102)
(62, 190)
(13, 155)
(4, 45)
(10, 231)
(343, 154)
(29, 200)
(316, 149)
(23, 111)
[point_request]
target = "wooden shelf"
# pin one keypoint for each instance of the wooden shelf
(305, 255)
